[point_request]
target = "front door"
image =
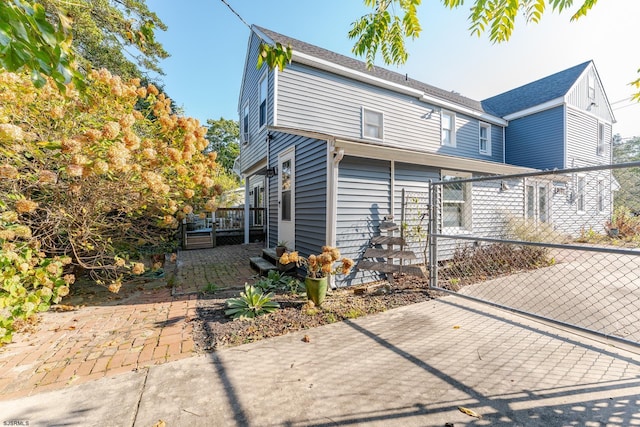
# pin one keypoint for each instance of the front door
(537, 200)
(287, 198)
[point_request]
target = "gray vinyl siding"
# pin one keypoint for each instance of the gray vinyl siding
(256, 148)
(315, 100)
(414, 179)
(537, 140)
(582, 139)
(364, 189)
(310, 191)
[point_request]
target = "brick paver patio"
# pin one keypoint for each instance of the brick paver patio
(150, 327)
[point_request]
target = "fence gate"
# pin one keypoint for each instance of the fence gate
(548, 244)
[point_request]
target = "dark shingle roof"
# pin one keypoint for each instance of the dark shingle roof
(534, 93)
(378, 72)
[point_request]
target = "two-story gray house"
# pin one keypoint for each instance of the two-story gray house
(331, 144)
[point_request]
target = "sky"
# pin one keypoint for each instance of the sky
(208, 44)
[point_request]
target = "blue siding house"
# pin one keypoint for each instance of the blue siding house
(335, 143)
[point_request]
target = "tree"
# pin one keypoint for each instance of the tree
(103, 30)
(52, 37)
(624, 151)
(223, 136)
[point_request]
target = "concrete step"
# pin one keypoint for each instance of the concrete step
(269, 254)
(261, 265)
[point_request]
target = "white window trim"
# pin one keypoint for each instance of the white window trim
(591, 86)
(584, 193)
(266, 100)
(363, 110)
(453, 128)
(487, 126)
(245, 118)
(467, 214)
(601, 148)
(600, 198)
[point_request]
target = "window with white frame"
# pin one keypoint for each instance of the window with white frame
(456, 201)
(591, 84)
(245, 124)
(484, 139)
(537, 197)
(601, 139)
(263, 99)
(372, 124)
(600, 195)
(448, 128)
(580, 190)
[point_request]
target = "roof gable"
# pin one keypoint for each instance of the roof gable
(535, 93)
(361, 67)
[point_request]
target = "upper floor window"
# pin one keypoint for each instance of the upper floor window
(372, 124)
(456, 201)
(245, 124)
(601, 139)
(448, 124)
(263, 100)
(591, 84)
(484, 141)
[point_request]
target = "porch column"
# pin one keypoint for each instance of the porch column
(247, 210)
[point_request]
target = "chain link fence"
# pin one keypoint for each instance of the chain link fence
(563, 245)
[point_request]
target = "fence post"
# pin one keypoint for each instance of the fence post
(432, 241)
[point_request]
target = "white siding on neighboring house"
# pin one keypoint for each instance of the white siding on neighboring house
(579, 97)
(583, 140)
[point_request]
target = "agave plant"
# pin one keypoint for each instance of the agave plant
(250, 303)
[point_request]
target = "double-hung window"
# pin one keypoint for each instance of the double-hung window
(372, 124)
(263, 99)
(448, 128)
(591, 85)
(456, 201)
(601, 139)
(245, 124)
(484, 139)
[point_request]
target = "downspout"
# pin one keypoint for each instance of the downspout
(504, 144)
(332, 202)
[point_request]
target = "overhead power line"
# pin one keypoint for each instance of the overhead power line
(236, 13)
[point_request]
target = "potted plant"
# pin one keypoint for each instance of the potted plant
(319, 268)
(281, 248)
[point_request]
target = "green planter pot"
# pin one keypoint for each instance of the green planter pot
(316, 289)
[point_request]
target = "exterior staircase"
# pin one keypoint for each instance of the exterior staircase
(389, 253)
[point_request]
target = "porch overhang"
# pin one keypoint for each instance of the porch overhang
(371, 151)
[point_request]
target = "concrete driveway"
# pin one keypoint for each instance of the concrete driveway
(596, 291)
(412, 366)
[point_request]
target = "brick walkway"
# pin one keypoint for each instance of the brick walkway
(150, 327)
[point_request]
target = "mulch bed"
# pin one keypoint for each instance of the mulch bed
(213, 330)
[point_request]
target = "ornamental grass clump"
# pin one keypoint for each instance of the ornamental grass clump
(322, 265)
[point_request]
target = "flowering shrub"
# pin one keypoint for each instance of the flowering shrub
(91, 177)
(322, 265)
